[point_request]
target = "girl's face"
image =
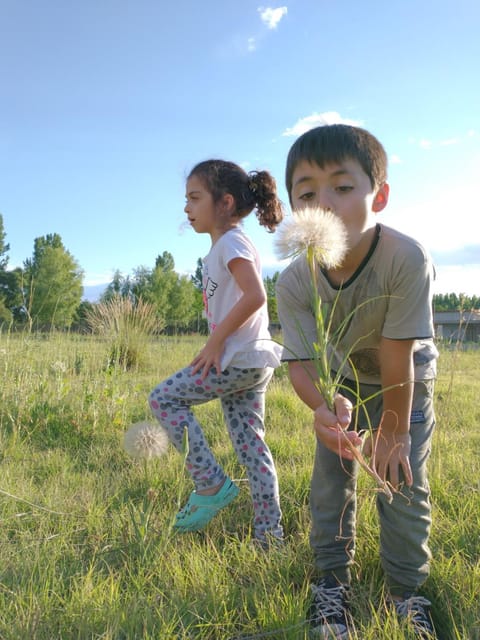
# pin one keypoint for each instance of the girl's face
(199, 207)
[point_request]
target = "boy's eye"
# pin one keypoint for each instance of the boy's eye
(344, 189)
(306, 196)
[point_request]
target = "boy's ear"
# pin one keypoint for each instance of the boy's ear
(381, 198)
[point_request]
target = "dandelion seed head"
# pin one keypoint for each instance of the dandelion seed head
(58, 366)
(313, 228)
(145, 440)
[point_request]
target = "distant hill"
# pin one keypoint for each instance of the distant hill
(92, 293)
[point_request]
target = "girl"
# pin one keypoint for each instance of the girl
(237, 361)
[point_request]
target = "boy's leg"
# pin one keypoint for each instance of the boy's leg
(405, 524)
(333, 508)
(244, 411)
(332, 539)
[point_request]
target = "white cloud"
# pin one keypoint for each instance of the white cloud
(443, 219)
(426, 143)
(316, 120)
(271, 17)
(251, 44)
(449, 142)
(394, 159)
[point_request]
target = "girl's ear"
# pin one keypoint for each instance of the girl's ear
(381, 198)
(228, 203)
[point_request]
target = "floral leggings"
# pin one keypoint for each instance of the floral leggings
(242, 395)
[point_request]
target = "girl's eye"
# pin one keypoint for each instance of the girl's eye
(344, 189)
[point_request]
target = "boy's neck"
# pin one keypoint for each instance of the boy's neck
(353, 259)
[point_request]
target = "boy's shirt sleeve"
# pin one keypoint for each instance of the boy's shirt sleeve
(295, 311)
(409, 313)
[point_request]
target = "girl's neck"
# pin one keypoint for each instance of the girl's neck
(218, 232)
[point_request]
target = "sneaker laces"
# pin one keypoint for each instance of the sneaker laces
(413, 607)
(331, 600)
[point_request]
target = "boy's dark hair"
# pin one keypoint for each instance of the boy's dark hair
(335, 143)
(253, 190)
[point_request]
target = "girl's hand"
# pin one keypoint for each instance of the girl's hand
(331, 427)
(208, 357)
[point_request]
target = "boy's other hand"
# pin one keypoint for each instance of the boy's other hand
(388, 453)
(331, 428)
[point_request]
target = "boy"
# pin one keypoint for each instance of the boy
(390, 341)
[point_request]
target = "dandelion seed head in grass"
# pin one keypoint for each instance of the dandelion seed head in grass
(313, 228)
(145, 440)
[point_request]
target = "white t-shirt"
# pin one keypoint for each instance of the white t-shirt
(389, 295)
(251, 346)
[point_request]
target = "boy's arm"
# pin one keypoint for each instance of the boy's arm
(391, 444)
(327, 424)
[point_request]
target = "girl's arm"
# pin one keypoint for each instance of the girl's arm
(253, 297)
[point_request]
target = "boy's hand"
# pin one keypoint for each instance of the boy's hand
(388, 453)
(331, 427)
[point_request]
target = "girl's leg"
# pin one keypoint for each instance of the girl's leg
(244, 410)
(171, 403)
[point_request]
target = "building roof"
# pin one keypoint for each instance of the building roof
(457, 317)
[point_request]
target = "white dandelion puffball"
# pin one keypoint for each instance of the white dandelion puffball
(145, 440)
(313, 228)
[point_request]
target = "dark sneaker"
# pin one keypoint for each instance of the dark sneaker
(416, 611)
(328, 615)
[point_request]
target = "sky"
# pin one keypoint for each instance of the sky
(106, 105)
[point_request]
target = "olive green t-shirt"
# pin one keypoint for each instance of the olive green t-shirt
(389, 295)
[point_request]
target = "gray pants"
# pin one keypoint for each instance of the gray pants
(242, 395)
(404, 524)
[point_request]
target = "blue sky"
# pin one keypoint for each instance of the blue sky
(105, 105)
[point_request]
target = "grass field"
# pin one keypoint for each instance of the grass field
(86, 546)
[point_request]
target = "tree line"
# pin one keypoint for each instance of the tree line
(46, 292)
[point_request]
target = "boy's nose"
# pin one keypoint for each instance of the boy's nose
(324, 202)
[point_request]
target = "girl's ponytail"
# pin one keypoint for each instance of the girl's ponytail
(269, 209)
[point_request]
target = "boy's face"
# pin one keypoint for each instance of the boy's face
(345, 189)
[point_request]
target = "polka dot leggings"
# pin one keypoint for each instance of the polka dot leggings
(242, 395)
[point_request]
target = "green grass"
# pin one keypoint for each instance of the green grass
(86, 550)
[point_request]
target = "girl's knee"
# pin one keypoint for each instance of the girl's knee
(153, 400)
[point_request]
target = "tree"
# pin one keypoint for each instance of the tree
(52, 284)
(165, 262)
(120, 286)
(177, 303)
(10, 290)
(197, 278)
(4, 248)
(455, 302)
(270, 284)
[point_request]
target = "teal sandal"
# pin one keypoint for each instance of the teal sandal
(199, 510)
